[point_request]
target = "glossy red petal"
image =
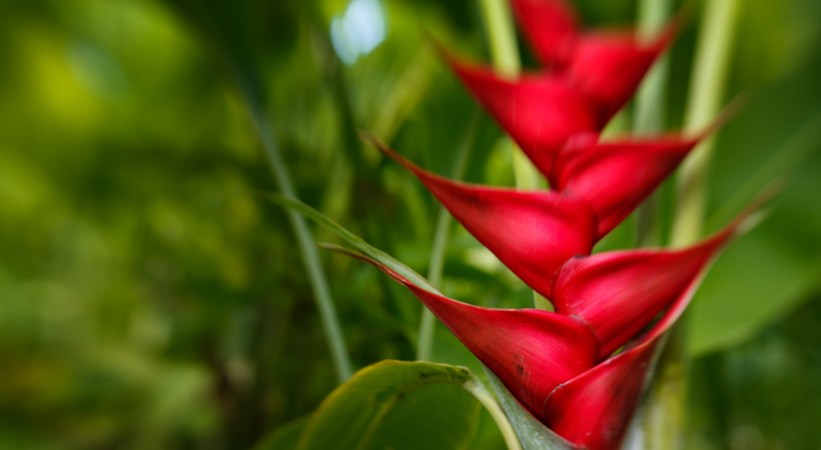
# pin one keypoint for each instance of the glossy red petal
(593, 411)
(619, 293)
(608, 67)
(540, 112)
(551, 28)
(615, 177)
(532, 233)
(531, 351)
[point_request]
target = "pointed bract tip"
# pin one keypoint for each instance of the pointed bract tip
(728, 114)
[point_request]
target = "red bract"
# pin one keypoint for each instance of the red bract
(532, 233)
(538, 111)
(593, 410)
(563, 366)
(618, 293)
(603, 66)
(615, 177)
(589, 78)
(548, 360)
(531, 351)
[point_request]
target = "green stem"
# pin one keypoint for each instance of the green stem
(659, 422)
(650, 105)
(505, 56)
(664, 413)
(706, 94)
(424, 348)
(310, 256)
(502, 37)
(475, 387)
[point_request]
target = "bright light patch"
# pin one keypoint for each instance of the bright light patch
(359, 30)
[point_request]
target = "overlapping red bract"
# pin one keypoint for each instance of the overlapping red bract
(558, 365)
(588, 78)
(565, 367)
(532, 233)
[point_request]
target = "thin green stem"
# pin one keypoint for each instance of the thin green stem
(441, 236)
(310, 256)
(706, 94)
(661, 417)
(505, 56)
(502, 37)
(664, 414)
(650, 104)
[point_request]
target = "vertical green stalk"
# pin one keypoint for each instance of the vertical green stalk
(660, 420)
(310, 256)
(706, 94)
(650, 107)
(424, 347)
(664, 413)
(505, 56)
(480, 392)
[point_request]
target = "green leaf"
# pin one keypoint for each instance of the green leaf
(357, 242)
(532, 434)
(757, 281)
(397, 405)
(364, 250)
(284, 437)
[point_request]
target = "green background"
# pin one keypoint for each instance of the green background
(150, 297)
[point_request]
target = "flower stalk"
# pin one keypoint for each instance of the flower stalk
(706, 93)
(650, 108)
(504, 55)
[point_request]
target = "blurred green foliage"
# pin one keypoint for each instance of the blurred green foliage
(151, 298)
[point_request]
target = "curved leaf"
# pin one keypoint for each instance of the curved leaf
(398, 405)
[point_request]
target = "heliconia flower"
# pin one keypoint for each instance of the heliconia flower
(590, 77)
(581, 369)
(532, 233)
(604, 66)
(552, 362)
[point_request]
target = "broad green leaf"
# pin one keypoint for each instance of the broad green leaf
(753, 284)
(284, 437)
(397, 405)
